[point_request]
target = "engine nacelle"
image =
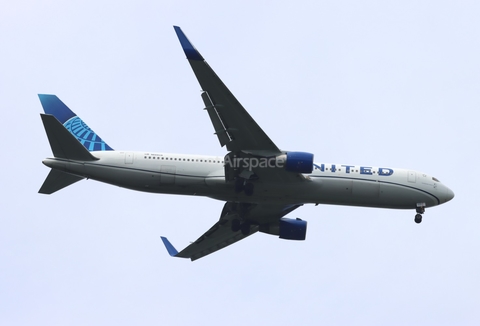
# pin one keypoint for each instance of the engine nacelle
(292, 229)
(300, 162)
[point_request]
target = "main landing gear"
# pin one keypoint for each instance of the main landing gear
(237, 225)
(420, 211)
(239, 217)
(242, 184)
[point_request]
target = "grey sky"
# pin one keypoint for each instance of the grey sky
(392, 84)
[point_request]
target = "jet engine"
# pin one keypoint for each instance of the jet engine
(287, 228)
(300, 162)
(293, 229)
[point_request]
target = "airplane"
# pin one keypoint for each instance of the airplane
(259, 182)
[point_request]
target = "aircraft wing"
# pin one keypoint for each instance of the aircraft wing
(233, 126)
(221, 234)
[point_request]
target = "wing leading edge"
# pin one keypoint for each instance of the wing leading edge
(233, 126)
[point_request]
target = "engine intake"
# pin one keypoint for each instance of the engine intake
(293, 229)
(300, 162)
(286, 228)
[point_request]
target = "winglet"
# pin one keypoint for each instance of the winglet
(188, 48)
(171, 249)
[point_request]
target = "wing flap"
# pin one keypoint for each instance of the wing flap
(217, 239)
(246, 133)
(222, 133)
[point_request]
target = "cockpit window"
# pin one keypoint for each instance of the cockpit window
(435, 179)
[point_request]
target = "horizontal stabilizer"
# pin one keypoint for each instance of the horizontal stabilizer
(57, 180)
(63, 143)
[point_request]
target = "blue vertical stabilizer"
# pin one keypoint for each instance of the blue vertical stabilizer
(52, 105)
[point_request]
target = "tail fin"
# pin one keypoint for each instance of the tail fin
(86, 136)
(70, 138)
(64, 146)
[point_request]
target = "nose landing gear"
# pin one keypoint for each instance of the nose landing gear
(418, 218)
(420, 211)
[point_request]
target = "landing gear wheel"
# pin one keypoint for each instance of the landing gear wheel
(418, 218)
(236, 225)
(248, 189)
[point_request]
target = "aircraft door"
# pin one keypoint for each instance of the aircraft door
(412, 176)
(128, 158)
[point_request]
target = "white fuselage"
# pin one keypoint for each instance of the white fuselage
(199, 175)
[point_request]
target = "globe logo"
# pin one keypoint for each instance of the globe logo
(85, 135)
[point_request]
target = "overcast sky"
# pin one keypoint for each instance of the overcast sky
(384, 83)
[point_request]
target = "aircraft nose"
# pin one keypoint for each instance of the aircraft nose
(449, 195)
